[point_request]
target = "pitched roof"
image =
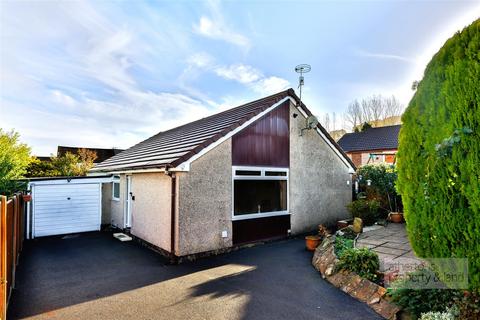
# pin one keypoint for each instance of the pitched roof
(371, 139)
(175, 146)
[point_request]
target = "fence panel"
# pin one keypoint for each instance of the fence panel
(11, 242)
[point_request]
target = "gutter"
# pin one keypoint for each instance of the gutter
(173, 201)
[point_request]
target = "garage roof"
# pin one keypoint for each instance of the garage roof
(173, 147)
(371, 139)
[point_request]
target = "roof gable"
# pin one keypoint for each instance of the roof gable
(371, 139)
(184, 144)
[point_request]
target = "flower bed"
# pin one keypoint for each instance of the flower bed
(326, 262)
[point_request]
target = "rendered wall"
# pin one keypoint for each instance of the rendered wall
(106, 203)
(318, 189)
(117, 206)
(205, 202)
(151, 210)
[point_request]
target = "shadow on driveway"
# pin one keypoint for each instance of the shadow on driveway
(94, 276)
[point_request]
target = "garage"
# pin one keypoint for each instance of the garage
(65, 205)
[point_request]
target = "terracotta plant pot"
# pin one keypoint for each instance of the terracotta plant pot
(27, 197)
(396, 217)
(312, 242)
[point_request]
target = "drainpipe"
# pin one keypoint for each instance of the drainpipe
(173, 257)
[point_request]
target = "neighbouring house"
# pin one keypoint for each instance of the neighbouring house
(246, 174)
(374, 145)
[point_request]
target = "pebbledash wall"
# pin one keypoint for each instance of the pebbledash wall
(320, 182)
(318, 193)
(205, 202)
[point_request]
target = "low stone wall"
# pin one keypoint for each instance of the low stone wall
(325, 261)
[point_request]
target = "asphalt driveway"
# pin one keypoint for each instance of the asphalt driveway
(93, 276)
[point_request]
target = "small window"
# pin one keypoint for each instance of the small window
(275, 173)
(247, 173)
(116, 190)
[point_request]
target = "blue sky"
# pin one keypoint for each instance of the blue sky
(110, 74)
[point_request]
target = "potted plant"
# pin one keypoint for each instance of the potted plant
(396, 217)
(312, 242)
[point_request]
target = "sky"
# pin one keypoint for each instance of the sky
(112, 73)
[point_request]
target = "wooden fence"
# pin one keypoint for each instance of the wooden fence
(12, 233)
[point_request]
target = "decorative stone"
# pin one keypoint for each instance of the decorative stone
(357, 225)
(386, 309)
(329, 271)
(374, 300)
(338, 279)
(365, 290)
(381, 291)
(352, 284)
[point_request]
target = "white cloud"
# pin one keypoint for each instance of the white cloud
(253, 78)
(62, 98)
(200, 60)
(219, 31)
(271, 85)
(217, 28)
(387, 56)
(239, 72)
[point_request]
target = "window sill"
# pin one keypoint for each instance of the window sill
(115, 199)
(260, 215)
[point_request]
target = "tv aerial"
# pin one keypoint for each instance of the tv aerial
(312, 121)
(302, 68)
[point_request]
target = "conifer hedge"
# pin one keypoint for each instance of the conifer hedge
(439, 155)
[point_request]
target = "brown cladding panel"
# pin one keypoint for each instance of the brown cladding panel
(265, 142)
(251, 230)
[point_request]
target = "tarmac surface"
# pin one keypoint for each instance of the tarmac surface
(94, 276)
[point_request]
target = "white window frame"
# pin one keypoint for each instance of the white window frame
(115, 179)
(262, 176)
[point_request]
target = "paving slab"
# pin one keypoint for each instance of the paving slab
(390, 251)
(392, 246)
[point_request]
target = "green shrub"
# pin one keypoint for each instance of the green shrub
(437, 315)
(342, 244)
(367, 210)
(363, 262)
(439, 155)
(418, 301)
(383, 179)
(468, 304)
(14, 159)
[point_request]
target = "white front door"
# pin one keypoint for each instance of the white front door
(128, 204)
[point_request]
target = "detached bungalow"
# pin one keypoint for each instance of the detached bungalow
(242, 175)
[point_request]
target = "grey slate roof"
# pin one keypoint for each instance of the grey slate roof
(173, 147)
(371, 139)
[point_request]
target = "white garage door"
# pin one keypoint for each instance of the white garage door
(66, 208)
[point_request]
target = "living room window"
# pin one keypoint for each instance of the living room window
(259, 192)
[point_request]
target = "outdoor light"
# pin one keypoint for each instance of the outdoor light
(369, 182)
